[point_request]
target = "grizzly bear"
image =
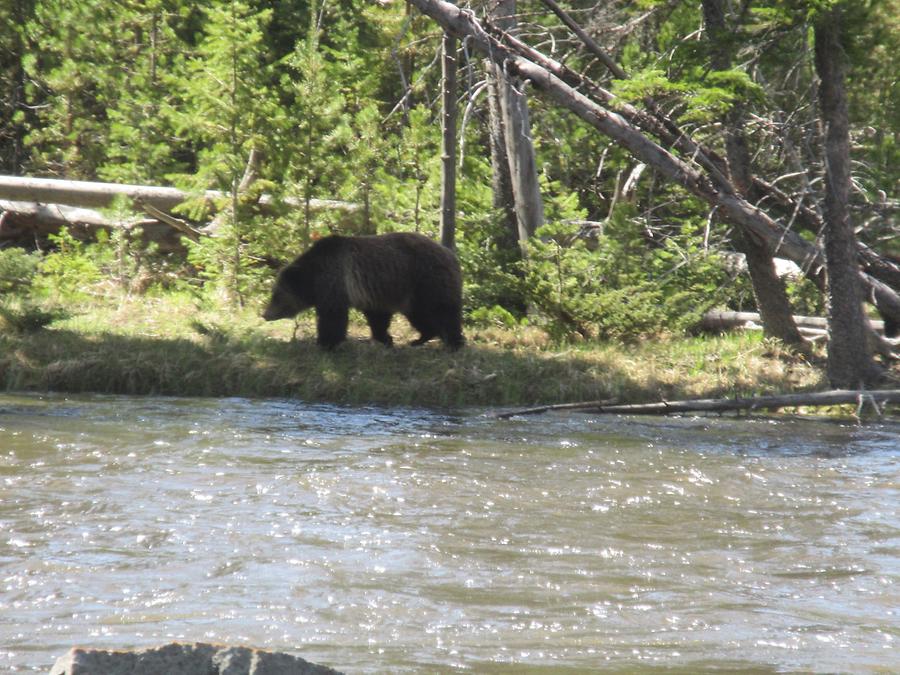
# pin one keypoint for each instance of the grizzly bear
(378, 275)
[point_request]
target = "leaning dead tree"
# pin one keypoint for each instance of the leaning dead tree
(694, 168)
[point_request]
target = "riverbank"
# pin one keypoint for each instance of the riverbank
(172, 345)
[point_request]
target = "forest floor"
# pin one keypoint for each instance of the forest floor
(173, 345)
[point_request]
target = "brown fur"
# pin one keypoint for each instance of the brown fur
(380, 275)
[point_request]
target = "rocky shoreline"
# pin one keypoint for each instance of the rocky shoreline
(185, 659)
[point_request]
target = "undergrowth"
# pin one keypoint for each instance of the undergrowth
(176, 344)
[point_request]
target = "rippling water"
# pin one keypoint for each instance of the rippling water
(379, 540)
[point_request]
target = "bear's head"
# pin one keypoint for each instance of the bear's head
(292, 294)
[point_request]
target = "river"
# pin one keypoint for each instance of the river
(407, 540)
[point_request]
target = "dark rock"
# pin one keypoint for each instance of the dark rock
(185, 659)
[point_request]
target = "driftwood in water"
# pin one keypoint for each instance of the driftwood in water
(875, 398)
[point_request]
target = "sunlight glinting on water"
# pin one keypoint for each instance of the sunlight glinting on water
(373, 539)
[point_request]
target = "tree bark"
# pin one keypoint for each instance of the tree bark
(516, 127)
(850, 360)
(768, 288)
(448, 142)
(503, 200)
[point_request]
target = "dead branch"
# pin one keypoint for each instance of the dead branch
(860, 398)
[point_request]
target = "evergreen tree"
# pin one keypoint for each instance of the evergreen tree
(317, 115)
(16, 114)
(232, 113)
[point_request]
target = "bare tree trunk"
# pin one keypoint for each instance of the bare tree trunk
(448, 149)
(768, 288)
(503, 199)
(516, 126)
(850, 359)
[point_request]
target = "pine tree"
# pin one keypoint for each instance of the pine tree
(229, 111)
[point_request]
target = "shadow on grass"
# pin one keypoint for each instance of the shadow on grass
(256, 365)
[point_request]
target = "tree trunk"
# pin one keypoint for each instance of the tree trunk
(516, 126)
(503, 200)
(850, 359)
(448, 142)
(768, 288)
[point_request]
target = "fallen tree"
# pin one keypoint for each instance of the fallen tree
(33, 221)
(32, 208)
(92, 194)
(721, 320)
(861, 398)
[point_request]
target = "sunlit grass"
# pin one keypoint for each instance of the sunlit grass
(177, 345)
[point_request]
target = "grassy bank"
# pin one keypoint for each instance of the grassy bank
(171, 345)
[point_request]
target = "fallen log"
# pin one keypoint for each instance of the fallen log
(92, 194)
(861, 398)
(721, 320)
(33, 208)
(32, 222)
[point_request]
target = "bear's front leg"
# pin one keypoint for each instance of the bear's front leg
(331, 326)
(379, 322)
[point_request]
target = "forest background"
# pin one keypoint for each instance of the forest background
(340, 99)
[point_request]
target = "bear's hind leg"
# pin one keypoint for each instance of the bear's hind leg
(379, 323)
(331, 325)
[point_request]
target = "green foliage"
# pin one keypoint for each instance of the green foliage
(17, 270)
(410, 196)
(316, 117)
(20, 309)
(496, 316)
(72, 267)
(624, 289)
(26, 316)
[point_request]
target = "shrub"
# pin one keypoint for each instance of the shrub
(627, 287)
(17, 269)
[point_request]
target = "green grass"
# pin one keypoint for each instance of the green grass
(172, 345)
